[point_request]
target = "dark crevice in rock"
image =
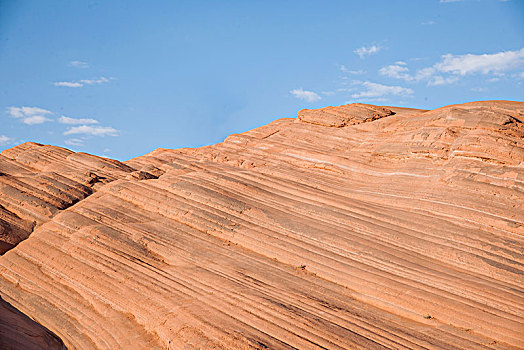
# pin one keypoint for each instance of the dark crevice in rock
(18, 331)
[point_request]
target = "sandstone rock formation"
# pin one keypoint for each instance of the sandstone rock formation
(38, 181)
(349, 227)
(341, 116)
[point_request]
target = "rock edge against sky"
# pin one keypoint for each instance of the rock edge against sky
(348, 227)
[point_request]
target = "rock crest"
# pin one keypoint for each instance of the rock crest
(341, 116)
(351, 227)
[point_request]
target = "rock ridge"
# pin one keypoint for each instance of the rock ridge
(38, 181)
(356, 226)
(340, 116)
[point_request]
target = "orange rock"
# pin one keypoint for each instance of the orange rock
(341, 116)
(349, 227)
(38, 181)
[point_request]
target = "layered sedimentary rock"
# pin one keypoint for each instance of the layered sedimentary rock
(348, 227)
(37, 182)
(341, 116)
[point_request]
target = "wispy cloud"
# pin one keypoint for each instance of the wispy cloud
(74, 142)
(479, 89)
(79, 64)
(486, 63)
(309, 96)
(401, 71)
(349, 71)
(84, 127)
(452, 67)
(67, 120)
(4, 140)
(397, 71)
(428, 23)
(375, 90)
(440, 80)
(30, 115)
(100, 80)
(92, 130)
(445, 1)
(68, 84)
(36, 119)
(83, 82)
(367, 50)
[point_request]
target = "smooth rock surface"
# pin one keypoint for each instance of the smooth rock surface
(351, 227)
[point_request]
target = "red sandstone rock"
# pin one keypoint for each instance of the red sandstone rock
(341, 116)
(38, 181)
(350, 227)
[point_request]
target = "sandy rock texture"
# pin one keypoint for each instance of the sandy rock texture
(350, 227)
(37, 182)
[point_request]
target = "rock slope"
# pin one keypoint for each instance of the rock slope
(37, 182)
(348, 227)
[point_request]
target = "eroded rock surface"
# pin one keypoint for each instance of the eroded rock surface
(341, 116)
(37, 182)
(349, 227)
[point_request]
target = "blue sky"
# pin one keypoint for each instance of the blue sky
(121, 78)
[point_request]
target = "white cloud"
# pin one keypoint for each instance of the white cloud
(486, 63)
(66, 120)
(74, 142)
(375, 90)
(92, 130)
(365, 51)
(428, 23)
(67, 84)
(398, 71)
(82, 82)
(79, 64)
(30, 115)
(479, 89)
(452, 67)
(355, 72)
(19, 112)
(309, 96)
(4, 140)
(100, 80)
(440, 80)
(424, 73)
(445, 1)
(36, 119)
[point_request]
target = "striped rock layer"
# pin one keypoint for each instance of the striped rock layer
(351, 227)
